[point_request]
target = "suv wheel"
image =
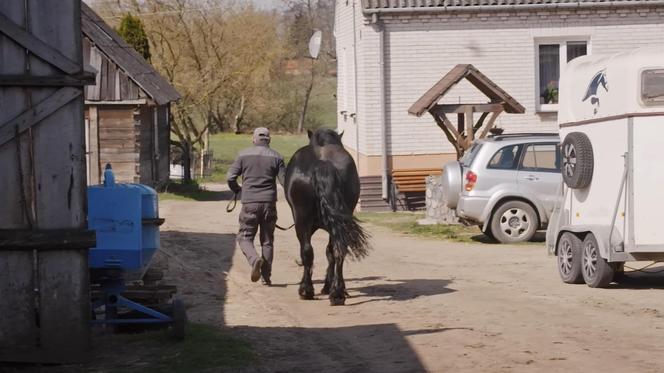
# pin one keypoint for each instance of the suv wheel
(514, 221)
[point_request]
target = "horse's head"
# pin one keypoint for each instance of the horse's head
(604, 81)
(324, 136)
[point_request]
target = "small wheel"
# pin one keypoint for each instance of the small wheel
(514, 221)
(179, 319)
(569, 258)
(597, 272)
(578, 160)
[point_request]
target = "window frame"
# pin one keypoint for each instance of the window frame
(537, 169)
(562, 55)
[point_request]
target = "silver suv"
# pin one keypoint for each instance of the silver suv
(506, 184)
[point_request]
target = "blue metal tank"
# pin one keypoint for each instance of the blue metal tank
(126, 219)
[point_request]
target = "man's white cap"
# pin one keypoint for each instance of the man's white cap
(261, 134)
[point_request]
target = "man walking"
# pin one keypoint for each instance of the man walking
(259, 167)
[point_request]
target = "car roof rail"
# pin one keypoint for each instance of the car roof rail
(522, 134)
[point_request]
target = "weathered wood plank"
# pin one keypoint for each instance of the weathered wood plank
(110, 84)
(462, 108)
(46, 81)
(103, 86)
(93, 92)
(93, 141)
(54, 239)
(18, 329)
(37, 47)
(64, 298)
(39, 112)
(59, 144)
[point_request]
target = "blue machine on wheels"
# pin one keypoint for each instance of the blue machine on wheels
(126, 220)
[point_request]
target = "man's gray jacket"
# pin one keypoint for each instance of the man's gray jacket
(259, 167)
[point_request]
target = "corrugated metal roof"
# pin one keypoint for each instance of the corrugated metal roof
(126, 58)
(442, 5)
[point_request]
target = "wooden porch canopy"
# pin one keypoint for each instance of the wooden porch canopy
(463, 134)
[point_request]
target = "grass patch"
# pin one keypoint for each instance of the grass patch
(404, 222)
(226, 146)
(205, 348)
(177, 191)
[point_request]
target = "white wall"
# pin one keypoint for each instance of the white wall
(421, 49)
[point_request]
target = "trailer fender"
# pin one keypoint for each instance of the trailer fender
(601, 232)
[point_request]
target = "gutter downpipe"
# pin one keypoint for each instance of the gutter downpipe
(382, 107)
(479, 8)
(355, 84)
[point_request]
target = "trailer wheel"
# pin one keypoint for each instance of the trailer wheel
(577, 160)
(179, 319)
(569, 258)
(597, 272)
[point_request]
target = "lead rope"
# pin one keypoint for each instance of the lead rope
(233, 203)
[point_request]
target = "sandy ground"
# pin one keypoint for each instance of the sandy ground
(416, 304)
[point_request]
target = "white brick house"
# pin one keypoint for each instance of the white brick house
(391, 51)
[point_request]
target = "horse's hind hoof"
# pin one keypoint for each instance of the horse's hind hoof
(306, 294)
(337, 301)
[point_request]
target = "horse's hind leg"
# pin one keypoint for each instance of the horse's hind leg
(304, 232)
(338, 291)
(329, 276)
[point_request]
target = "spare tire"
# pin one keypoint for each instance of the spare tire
(452, 183)
(577, 160)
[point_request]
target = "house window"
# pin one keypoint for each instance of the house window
(550, 57)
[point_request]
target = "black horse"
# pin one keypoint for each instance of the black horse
(322, 189)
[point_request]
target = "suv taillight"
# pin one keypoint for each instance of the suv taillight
(471, 179)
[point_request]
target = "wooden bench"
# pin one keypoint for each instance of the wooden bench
(413, 179)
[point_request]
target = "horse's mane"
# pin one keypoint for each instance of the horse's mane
(324, 136)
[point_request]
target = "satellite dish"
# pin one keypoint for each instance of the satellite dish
(314, 44)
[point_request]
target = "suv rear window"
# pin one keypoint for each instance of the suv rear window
(505, 159)
(469, 156)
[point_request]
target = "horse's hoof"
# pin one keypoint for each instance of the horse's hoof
(306, 294)
(337, 301)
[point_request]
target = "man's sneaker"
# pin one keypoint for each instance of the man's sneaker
(256, 270)
(266, 281)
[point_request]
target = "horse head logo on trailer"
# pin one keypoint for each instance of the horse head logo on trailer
(591, 92)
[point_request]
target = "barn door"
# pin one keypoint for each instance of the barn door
(44, 286)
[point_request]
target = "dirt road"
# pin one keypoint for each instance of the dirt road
(416, 305)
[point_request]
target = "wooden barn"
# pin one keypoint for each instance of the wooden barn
(127, 111)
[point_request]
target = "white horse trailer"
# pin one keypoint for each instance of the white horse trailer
(611, 115)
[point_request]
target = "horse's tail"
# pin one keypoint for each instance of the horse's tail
(336, 217)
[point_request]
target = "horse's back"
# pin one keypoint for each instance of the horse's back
(299, 186)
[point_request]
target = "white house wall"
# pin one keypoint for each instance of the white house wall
(346, 104)
(420, 49)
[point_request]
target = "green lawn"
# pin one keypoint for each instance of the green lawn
(226, 146)
(405, 222)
